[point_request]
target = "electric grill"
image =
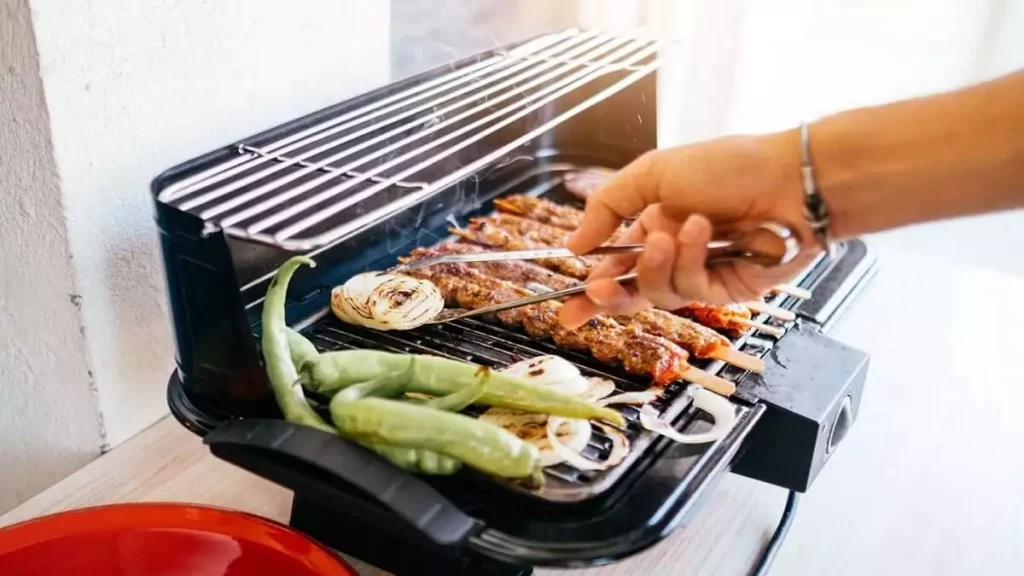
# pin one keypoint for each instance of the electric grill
(359, 184)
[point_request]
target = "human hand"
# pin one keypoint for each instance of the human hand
(683, 197)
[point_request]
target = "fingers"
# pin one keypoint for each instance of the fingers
(577, 311)
(690, 280)
(603, 296)
(625, 194)
(655, 271)
(652, 219)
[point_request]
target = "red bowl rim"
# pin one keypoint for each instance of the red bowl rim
(106, 517)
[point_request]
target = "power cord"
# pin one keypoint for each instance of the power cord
(768, 556)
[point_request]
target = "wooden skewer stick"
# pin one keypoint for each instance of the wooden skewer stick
(774, 311)
(710, 381)
(739, 359)
(794, 291)
(772, 330)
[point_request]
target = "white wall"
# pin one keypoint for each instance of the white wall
(763, 65)
(135, 86)
(131, 88)
(48, 421)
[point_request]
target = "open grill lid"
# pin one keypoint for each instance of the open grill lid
(314, 188)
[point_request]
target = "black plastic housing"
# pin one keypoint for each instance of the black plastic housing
(802, 426)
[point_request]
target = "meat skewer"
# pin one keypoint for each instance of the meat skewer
(527, 274)
(513, 233)
(698, 340)
(547, 212)
(794, 291)
(570, 218)
(608, 341)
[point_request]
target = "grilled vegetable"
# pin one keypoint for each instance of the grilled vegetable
(386, 301)
(334, 371)
(559, 439)
(299, 347)
(718, 407)
(550, 371)
(571, 454)
(283, 347)
(477, 444)
(277, 353)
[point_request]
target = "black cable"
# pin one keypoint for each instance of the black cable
(768, 556)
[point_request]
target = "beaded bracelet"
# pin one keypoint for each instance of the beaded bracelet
(815, 209)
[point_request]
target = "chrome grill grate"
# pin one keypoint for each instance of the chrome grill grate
(314, 188)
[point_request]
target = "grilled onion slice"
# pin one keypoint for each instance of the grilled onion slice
(571, 454)
(559, 439)
(551, 371)
(632, 398)
(386, 301)
(718, 407)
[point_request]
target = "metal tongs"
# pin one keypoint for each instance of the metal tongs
(770, 244)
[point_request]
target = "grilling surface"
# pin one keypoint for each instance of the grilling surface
(488, 342)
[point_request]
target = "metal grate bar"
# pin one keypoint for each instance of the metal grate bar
(581, 63)
(326, 240)
(372, 110)
(244, 149)
(550, 94)
(276, 184)
(546, 82)
(476, 89)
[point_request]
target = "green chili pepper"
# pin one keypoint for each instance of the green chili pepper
(478, 444)
(284, 349)
(301, 349)
(334, 371)
(458, 400)
(277, 354)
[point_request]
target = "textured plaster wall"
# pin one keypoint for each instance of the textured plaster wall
(48, 422)
(135, 86)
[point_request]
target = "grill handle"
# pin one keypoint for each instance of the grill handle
(316, 463)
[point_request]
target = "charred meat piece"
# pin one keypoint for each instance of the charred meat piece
(698, 340)
(608, 341)
(508, 232)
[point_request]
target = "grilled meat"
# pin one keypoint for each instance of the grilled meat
(698, 340)
(510, 232)
(547, 212)
(608, 341)
(499, 238)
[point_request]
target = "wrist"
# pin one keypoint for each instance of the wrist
(788, 188)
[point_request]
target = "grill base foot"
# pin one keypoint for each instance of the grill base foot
(389, 546)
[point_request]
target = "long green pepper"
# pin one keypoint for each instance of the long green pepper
(481, 445)
(414, 436)
(277, 354)
(333, 371)
(284, 349)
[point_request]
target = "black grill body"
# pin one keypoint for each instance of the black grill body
(790, 418)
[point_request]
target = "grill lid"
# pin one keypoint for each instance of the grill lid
(316, 187)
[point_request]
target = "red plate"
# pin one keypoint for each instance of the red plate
(161, 540)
